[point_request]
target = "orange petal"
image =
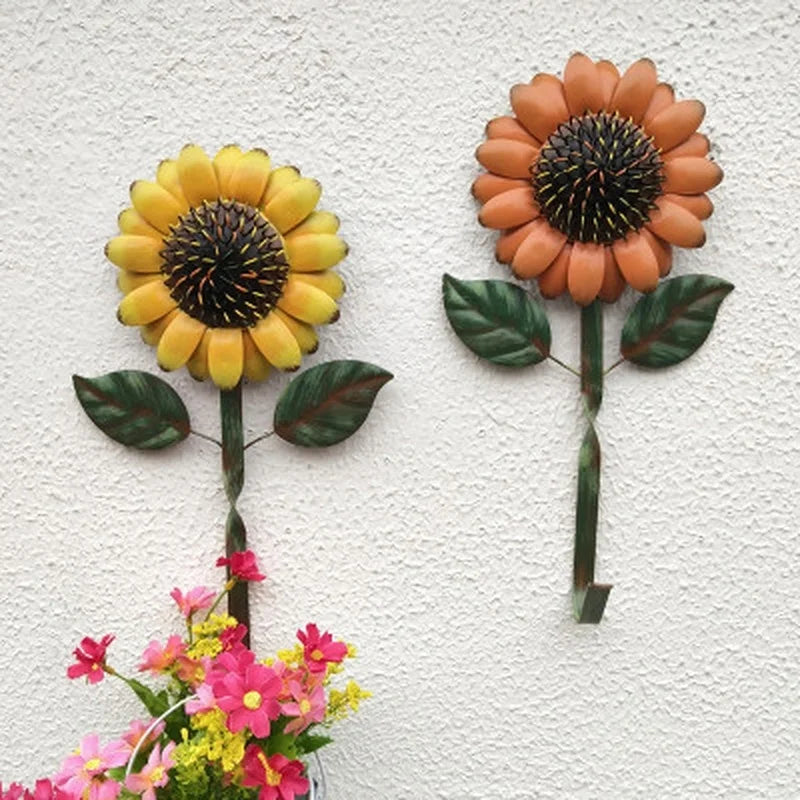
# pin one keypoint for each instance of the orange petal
(586, 270)
(690, 175)
(547, 79)
(488, 185)
(613, 282)
(538, 251)
(508, 244)
(696, 145)
(663, 97)
(609, 78)
(661, 250)
(635, 89)
(553, 281)
(509, 128)
(507, 157)
(676, 225)
(509, 209)
(698, 204)
(582, 88)
(637, 261)
(540, 107)
(676, 123)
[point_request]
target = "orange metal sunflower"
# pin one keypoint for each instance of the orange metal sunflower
(594, 179)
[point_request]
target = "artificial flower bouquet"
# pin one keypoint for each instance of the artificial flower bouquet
(223, 723)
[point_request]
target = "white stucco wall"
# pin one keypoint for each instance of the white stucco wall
(438, 540)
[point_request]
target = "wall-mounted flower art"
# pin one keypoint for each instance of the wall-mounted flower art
(226, 266)
(592, 182)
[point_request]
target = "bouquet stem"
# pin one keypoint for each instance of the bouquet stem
(230, 407)
(589, 598)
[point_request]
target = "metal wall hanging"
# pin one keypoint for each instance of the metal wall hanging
(592, 182)
(226, 266)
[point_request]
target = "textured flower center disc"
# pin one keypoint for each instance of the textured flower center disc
(597, 177)
(224, 264)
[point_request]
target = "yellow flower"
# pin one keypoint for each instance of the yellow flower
(341, 703)
(226, 265)
(217, 743)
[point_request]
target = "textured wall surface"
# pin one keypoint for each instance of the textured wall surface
(439, 539)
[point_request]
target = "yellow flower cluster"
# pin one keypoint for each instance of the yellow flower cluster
(342, 703)
(293, 658)
(215, 743)
(207, 633)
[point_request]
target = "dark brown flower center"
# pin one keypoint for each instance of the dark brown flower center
(597, 177)
(224, 264)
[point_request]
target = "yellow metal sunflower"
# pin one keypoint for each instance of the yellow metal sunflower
(226, 265)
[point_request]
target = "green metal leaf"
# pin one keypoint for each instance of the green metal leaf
(498, 321)
(327, 403)
(134, 408)
(668, 325)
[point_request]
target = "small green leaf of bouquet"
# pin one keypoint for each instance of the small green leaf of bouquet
(498, 321)
(669, 324)
(134, 408)
(328, 403)
(309, 742)
(282, 743)
(156, 704)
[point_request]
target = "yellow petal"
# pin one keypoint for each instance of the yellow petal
(131, 221)
(304, 334)
(313, 252)
(224, 162)
(128, 281)
(316, 222)
(179, 341)
(255, 367)
(329, 281)
(135, 253)
(198, 363)
(167, 176)
(307, 303)
(276, 343)
(293, 204)
(225, 356)
(279, 179)
(156, 204)
(249, 177)
(153, 331)
(145, 304)
(197, 175)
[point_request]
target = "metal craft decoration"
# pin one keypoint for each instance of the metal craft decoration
(592, 181)
(226, 265)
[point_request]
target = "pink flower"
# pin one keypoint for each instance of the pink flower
(242, 566)
(194, 600)
(203, 700)
(249, 698)
(44, 791)
(279, 778)
(159, 659)
(153, 774)
(230, 637)
(309, 707)
(91, 656)
(320, 650)
(134, 734)
(84, 773)
(192, 670)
